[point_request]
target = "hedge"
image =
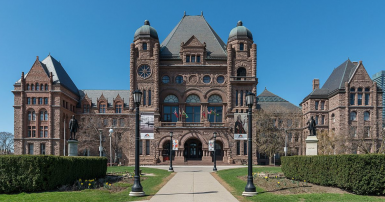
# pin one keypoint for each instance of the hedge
(27, 173)
(360, 174)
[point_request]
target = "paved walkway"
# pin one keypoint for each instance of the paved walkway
(193, 184)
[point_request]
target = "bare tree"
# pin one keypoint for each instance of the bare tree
(272, 127)
(6, 143)
(365, 141)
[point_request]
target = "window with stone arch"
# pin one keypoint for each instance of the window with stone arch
(193, 99)
(171, 99)
(171, 111)
(215, 109)
(46, 87)
(366, 116)
(333, 118)
(193, 109)
(31, 115)
(367, 96)
(352, 95)
(241, 72)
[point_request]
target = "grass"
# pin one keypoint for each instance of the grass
(150, 186)
(230, 176)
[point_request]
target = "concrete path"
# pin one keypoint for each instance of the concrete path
(193, 184)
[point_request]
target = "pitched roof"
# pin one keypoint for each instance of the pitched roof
(59, 74)
(110, 95)
(187, 27)
(339, 76)
(268, 100)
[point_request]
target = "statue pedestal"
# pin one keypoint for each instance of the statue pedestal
(311, 146)
(73, 148)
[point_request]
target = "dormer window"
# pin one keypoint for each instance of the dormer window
(241, 46)
(144, 45)
(187, 58)
(193, 58)
(102, 108)
(198, 58)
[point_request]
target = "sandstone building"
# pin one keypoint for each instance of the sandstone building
(348, 105)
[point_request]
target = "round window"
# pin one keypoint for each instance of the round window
(179, 79)
(220, 79)
(165, 79)
(144, 71)
(206, 79)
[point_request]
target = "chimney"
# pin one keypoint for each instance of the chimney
(315, 84)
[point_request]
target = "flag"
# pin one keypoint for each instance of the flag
(203, 113)
(176, 113)
(180, 115)
(211, 111)
(184, 113)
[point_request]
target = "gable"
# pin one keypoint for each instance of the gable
(37, 73)
(360, 74)
(193, 42)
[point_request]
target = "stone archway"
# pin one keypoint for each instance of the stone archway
(193, 149)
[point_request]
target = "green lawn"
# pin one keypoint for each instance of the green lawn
(150, 187)
(231, 177)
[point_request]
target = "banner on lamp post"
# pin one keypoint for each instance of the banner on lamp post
(147, 126)
(211, 145)
(174, 144)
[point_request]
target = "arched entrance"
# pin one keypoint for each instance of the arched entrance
(193, 149)
(218, 151)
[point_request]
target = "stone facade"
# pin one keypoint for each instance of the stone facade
(348, 105)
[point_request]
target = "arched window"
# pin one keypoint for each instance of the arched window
(41, 87)
(353, 116)
(193, 112)
(333, 118)
(171, 112)
(28, 87)
(46, 87)
(366, 116)
(241, 71)
(171, 99)
(215, 99)
(32, 87)
(214, 113)
(359, 89)
(352, 95)
(42, 116)
(193, 99)
(37, 86)
(102, 108)
(31, 115)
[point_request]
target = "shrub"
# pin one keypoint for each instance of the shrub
(361, 174)
(27, 173)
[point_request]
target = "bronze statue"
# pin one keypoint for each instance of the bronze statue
(73, 127)
(312, 126)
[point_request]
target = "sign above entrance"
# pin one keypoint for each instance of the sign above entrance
(240, 137)
(147, 126)
(211, 145)
(174, 144)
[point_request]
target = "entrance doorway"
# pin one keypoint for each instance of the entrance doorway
(193, 150)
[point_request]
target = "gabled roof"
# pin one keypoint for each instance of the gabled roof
(340, 75)
(59, 74)
(110, 95)
(268, 100)
(187, 27)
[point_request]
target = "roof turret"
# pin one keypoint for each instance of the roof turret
(240, 32)
(146, 31)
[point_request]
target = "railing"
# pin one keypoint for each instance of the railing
(243, 78)
(217, 124)
(192, 124)
(168, 124)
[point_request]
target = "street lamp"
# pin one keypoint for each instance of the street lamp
(100, 146)
(171, 169)
(215, 156)
(111, 131)
(250, 188)
(137, 189)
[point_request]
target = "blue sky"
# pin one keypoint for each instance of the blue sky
(297, 40)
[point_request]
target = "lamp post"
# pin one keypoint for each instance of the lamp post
(215, 154)
(137, 189)
(250, 188)
(171, 169)
(111, 131)
(100, 145)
